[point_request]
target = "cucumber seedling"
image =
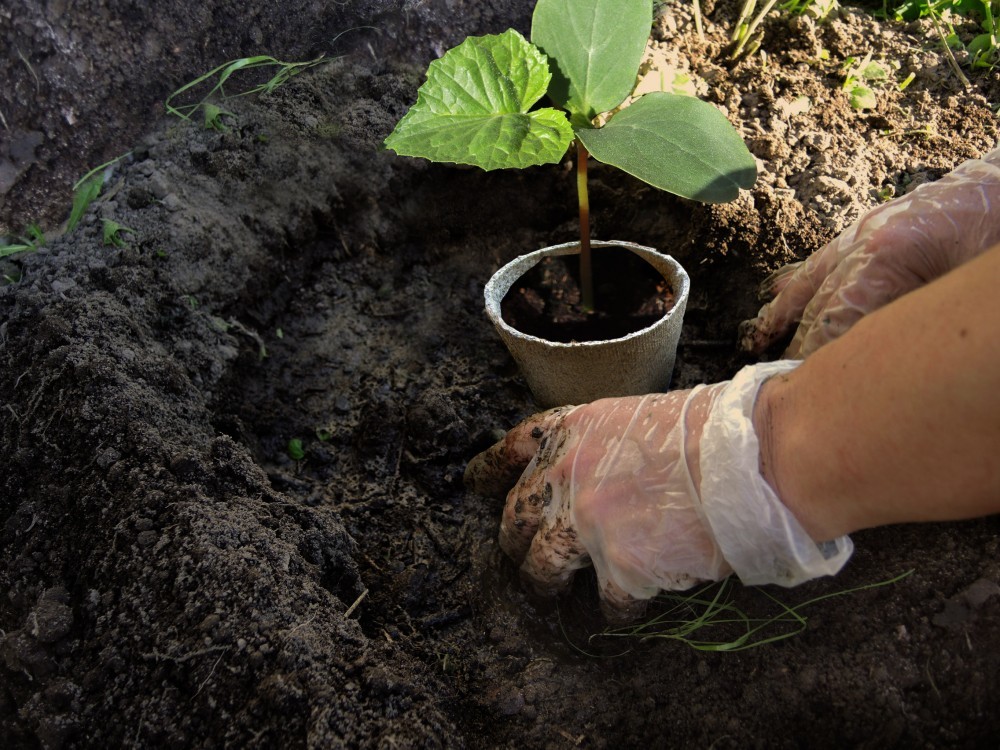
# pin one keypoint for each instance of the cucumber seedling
(477, 107)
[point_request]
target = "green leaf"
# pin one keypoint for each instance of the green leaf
(213, 117)
(112, 233)
(33, 240)
(86, 192)
(295, 450)
(863, 97)
(980, 44)
(473, 108)
(873, 71)
(7, 250)
(35, 235)
(595, 47)
(676, 143)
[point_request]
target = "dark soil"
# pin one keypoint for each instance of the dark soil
(547, 302)
(171, 577)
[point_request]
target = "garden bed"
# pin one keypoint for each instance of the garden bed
(178, 573)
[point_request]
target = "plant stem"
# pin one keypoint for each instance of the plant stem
(947, 51)
(697, 21)
(747, 27)
(586, 275)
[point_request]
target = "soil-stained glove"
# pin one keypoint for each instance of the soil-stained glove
(658, 492)
(890, 251)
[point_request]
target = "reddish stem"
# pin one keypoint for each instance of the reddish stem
(586, 275)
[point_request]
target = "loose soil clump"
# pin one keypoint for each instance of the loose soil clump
(173, 577)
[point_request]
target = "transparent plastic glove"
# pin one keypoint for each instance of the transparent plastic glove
(657, 492)
(890, 251)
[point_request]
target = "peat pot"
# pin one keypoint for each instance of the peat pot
(581, 371)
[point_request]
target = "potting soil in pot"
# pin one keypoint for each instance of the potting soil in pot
(629, 295)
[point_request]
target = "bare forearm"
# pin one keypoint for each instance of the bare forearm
(898, 420)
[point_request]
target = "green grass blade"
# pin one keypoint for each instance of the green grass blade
(99, 168)
(694, 617)
(86, 193)
(7, 250)
(220, 76)
(112, 233)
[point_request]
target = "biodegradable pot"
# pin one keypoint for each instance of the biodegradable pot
(578, 372)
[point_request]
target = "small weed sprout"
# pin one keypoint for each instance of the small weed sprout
(885, 193)
(213, 117)
(982, 51)
(86, 190)
(295, 450)
(219, 77)
(32, 239)
(907, 81)
(747, 36)
(820, 10)
(112, 233)
(862, 78)
(985, 48)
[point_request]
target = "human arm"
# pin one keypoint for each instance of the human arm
(898, 420)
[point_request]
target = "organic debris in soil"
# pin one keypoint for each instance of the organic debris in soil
(629, 295)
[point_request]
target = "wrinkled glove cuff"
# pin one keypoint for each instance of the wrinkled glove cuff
(759, 537)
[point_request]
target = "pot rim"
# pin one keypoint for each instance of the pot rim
(524, 263)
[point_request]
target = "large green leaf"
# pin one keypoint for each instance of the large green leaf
(677, 143)
(473, 108)
(595, 47)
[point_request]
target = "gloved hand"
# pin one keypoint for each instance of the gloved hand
(890, 251)
(658, 492)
